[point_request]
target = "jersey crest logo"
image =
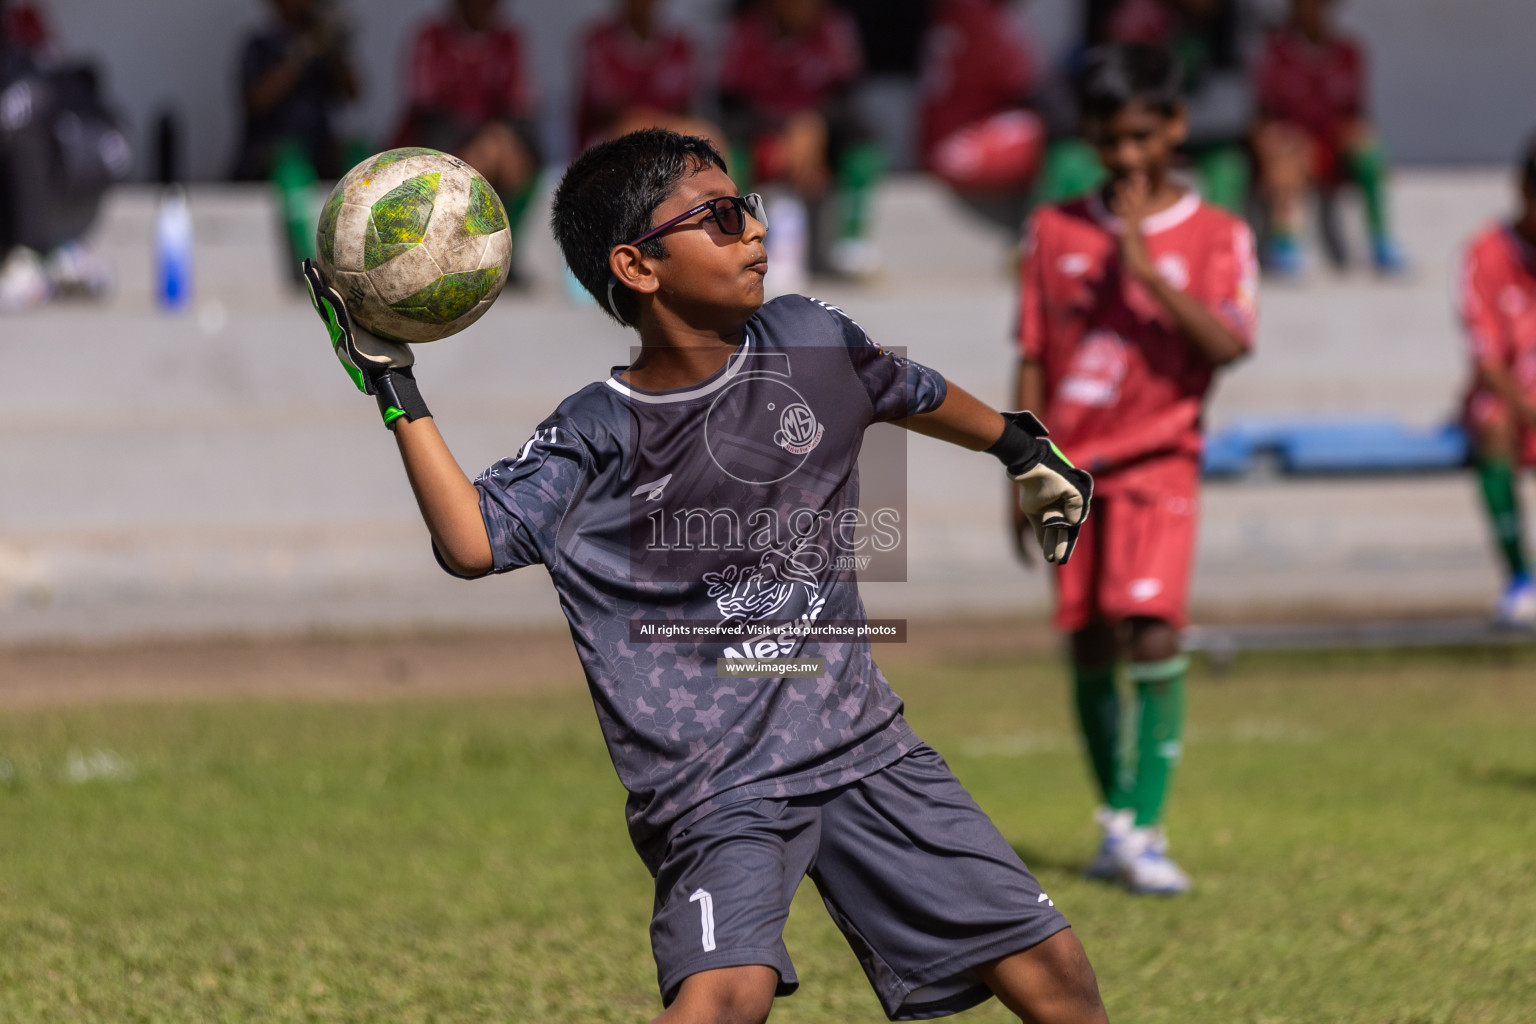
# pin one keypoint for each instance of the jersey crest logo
(1098, 369)
(798, 430)
(652, 491)
(1074, 264)
(1172, 268)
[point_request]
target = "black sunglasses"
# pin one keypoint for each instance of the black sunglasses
(729, 212)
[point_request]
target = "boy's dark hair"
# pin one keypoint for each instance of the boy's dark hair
(1528, 166)
(1114, 77)
(608, 196)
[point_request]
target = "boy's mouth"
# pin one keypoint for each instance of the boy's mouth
(759, 264)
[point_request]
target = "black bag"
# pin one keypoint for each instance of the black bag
(61, 148)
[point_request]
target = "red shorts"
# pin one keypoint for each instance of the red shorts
(1133, 559)
(1484, 409)
(1327, 147)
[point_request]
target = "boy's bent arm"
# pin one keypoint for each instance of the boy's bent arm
(449, 502)
(960, 419)
(1200, 327)
(1198, 324)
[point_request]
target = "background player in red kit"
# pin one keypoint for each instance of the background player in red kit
(1497, 302)
(1130, 300)
(977, 133)
(1312, 127)
(786, 95)
(636, 73)
(469, 96)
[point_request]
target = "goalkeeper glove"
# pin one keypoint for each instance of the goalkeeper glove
(378, 367)
(1053, 494)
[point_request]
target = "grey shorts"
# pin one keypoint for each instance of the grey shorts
(920, 881)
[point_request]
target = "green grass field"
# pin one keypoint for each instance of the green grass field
(1361, 830)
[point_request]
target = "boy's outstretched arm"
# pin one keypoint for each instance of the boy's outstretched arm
(449, 503)
(1053, 494)
(1028, 393)
(960, 419)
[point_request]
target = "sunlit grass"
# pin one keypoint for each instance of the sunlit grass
(1362, 832)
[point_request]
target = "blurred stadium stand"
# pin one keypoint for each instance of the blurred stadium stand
(213, 472)
(1450, 79)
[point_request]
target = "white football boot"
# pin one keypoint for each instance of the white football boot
(1114, 827)
(24, 283)
(855, 259)
(1517, 608)
(1146, 869)
(76, 270)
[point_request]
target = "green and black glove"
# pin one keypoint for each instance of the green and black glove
(1053, 494)
(378, 367)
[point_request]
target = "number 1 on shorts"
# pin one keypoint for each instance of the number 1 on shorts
(706, 904)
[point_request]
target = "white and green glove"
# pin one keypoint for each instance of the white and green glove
(1053, 494)
(377, 366)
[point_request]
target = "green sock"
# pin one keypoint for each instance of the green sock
(355, 150)
(1098, 713)
(1071, 169)
(1160, 733)
(293, 176)
(1368, 168)
(859, 171)
(740, 158)
(1502, 500)
(1224, 176)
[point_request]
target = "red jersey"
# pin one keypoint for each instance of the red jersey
(619, 70)
(474, 76)
(1319, 88)
(1497, 303)
(977, 64)
(1143, 21)
(1123, 388)
(25, 28)
(780, 76)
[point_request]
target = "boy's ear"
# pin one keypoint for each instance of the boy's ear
(1178, 127)
(633, 269)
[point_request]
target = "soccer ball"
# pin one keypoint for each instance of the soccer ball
(416, 242)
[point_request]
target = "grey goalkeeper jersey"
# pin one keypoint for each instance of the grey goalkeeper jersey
(725, 503)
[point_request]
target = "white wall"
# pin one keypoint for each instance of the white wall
(1453, 79)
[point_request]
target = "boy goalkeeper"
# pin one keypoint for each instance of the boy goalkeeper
(1130, 300)
(711, 481)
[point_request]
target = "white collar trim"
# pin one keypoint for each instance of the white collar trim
(1172, 217)
(732, 368)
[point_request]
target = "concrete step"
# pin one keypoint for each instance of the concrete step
(212, 471)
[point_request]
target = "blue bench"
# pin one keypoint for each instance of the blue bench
(1343, 447)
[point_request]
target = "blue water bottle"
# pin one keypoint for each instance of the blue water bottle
(173, 249)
